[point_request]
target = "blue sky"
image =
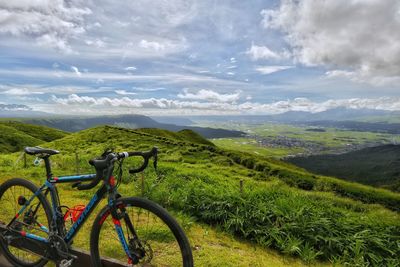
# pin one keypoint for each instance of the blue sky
(199, 57)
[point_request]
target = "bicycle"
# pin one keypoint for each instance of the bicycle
(33, 232)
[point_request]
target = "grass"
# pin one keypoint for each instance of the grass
(251, 146)
(15, 135)
(320, 220)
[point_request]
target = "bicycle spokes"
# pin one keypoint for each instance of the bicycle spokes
(148, 238)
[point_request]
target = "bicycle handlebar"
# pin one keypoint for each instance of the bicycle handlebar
(104, 166)
(153, 153)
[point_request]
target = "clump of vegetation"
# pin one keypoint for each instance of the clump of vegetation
(311, 226)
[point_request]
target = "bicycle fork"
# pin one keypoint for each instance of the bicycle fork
(133, 255)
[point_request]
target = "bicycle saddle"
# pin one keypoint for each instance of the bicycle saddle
(40, 150)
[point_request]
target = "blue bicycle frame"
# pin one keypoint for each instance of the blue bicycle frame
(50, 185)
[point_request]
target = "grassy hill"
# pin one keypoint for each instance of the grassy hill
(318, 219)
(378, 166)
(14, 136)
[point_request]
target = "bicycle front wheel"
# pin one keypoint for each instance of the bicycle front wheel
(153, 237)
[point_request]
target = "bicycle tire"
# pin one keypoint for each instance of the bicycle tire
(146, 205)
(31, 188)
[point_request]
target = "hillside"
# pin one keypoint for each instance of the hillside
(376, 166)
(128, 121)
(279, 206)
(14, 136)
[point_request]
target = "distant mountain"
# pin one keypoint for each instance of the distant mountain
(183, 121)
(336, 114)
(379, 166)
(377, 127)
(128, 121)
(18, 111)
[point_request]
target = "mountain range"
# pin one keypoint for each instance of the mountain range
(74, 124)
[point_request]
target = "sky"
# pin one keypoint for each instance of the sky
(188, 57)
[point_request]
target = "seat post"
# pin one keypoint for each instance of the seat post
(48, 167)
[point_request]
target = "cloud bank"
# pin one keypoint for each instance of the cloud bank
(49, 22)
(217, 106)
(359, 39)
(210, 95)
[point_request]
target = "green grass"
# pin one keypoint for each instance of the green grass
(253, 147)
(318, 219)
(14, 136)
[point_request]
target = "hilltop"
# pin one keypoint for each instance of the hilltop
(14, 136)
(279, 206)
(378, 166)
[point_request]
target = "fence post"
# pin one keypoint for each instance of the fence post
(25, 165)
(241, 186)
(77, 162)
(142, 182)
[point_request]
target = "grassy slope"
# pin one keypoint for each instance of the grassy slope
(280, 206)
(14, 136)
(251, 146)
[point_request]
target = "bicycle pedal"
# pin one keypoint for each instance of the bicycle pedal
(66, 263)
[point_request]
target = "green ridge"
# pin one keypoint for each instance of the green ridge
(14, 135)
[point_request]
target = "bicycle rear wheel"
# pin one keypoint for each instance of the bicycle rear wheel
(14, 193)
(157, 239)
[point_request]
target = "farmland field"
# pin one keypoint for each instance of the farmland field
(280, 140)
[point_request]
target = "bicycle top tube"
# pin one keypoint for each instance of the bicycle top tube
(72, 178)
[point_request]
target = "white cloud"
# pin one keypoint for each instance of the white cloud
(76, 70)
(126, 102)
(156, 46)
(124, 92)
(177, 106)
(97, 43)
(361, 37)
(148, 89)
(130, 68)
(263, 52)
(21, 92)
(52, 23)
(271, 69)
(157, 79)
(210, 95)
(360, 77)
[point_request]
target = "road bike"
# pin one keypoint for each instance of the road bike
(132, 230)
